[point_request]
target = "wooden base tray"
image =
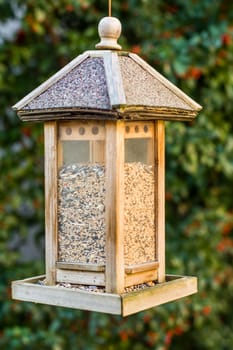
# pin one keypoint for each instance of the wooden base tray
(174, 288)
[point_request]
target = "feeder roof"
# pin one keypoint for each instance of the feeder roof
(107, 84)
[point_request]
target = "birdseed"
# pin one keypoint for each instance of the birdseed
(81, 208)
(81, 213)
(139, 219)
(99, 289)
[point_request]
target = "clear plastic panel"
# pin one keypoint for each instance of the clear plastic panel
(139, 203)
(81, 193)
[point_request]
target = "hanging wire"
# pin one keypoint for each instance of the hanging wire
(110, 8)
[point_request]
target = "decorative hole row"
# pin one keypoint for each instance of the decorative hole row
(136, 128)
(95, 130)
(82, 130)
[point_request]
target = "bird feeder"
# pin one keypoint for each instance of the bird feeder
(103, 116)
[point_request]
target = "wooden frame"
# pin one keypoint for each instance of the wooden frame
(88, 274)
(137, 278)
(80, 277)
(50, 145)
(160, 197)
(117, 275)
(175, 287)
(131, 269)
(114, 207)
(80, 266)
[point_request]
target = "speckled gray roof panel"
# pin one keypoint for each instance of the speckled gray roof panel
(141, 88)
(107, 85)
(83, 87)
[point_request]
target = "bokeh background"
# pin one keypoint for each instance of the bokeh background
(191, 43)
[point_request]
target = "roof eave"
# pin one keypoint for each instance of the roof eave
(157, 113)
(117, 112)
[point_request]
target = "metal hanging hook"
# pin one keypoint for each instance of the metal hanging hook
(110, 8)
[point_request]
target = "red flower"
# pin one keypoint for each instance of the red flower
(206, 310)
(136, 49)
(69, 8)
(123, 335)
(152, 337)
(227, 228)
(166, 34)
(168, 337)
(226, 39)
(194, 72)
(224, 244)
(26, 131)
(178, 330)
(147, 318)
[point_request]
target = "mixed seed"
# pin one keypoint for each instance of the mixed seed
(81, 208)
(139, 220)
(81, 213)
(98, 289)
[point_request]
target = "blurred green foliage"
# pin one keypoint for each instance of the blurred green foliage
(190, 42)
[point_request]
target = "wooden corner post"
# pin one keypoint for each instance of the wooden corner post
(160, 197)
(114, 207)
(50, 144)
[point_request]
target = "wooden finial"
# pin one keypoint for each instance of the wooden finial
(109, 29)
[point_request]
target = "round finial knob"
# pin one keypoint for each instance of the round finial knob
(109, 29)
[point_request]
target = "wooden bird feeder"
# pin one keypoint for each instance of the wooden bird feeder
(103, 118)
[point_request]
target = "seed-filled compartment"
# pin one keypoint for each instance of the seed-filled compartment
(81, 193)
(139, 194)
